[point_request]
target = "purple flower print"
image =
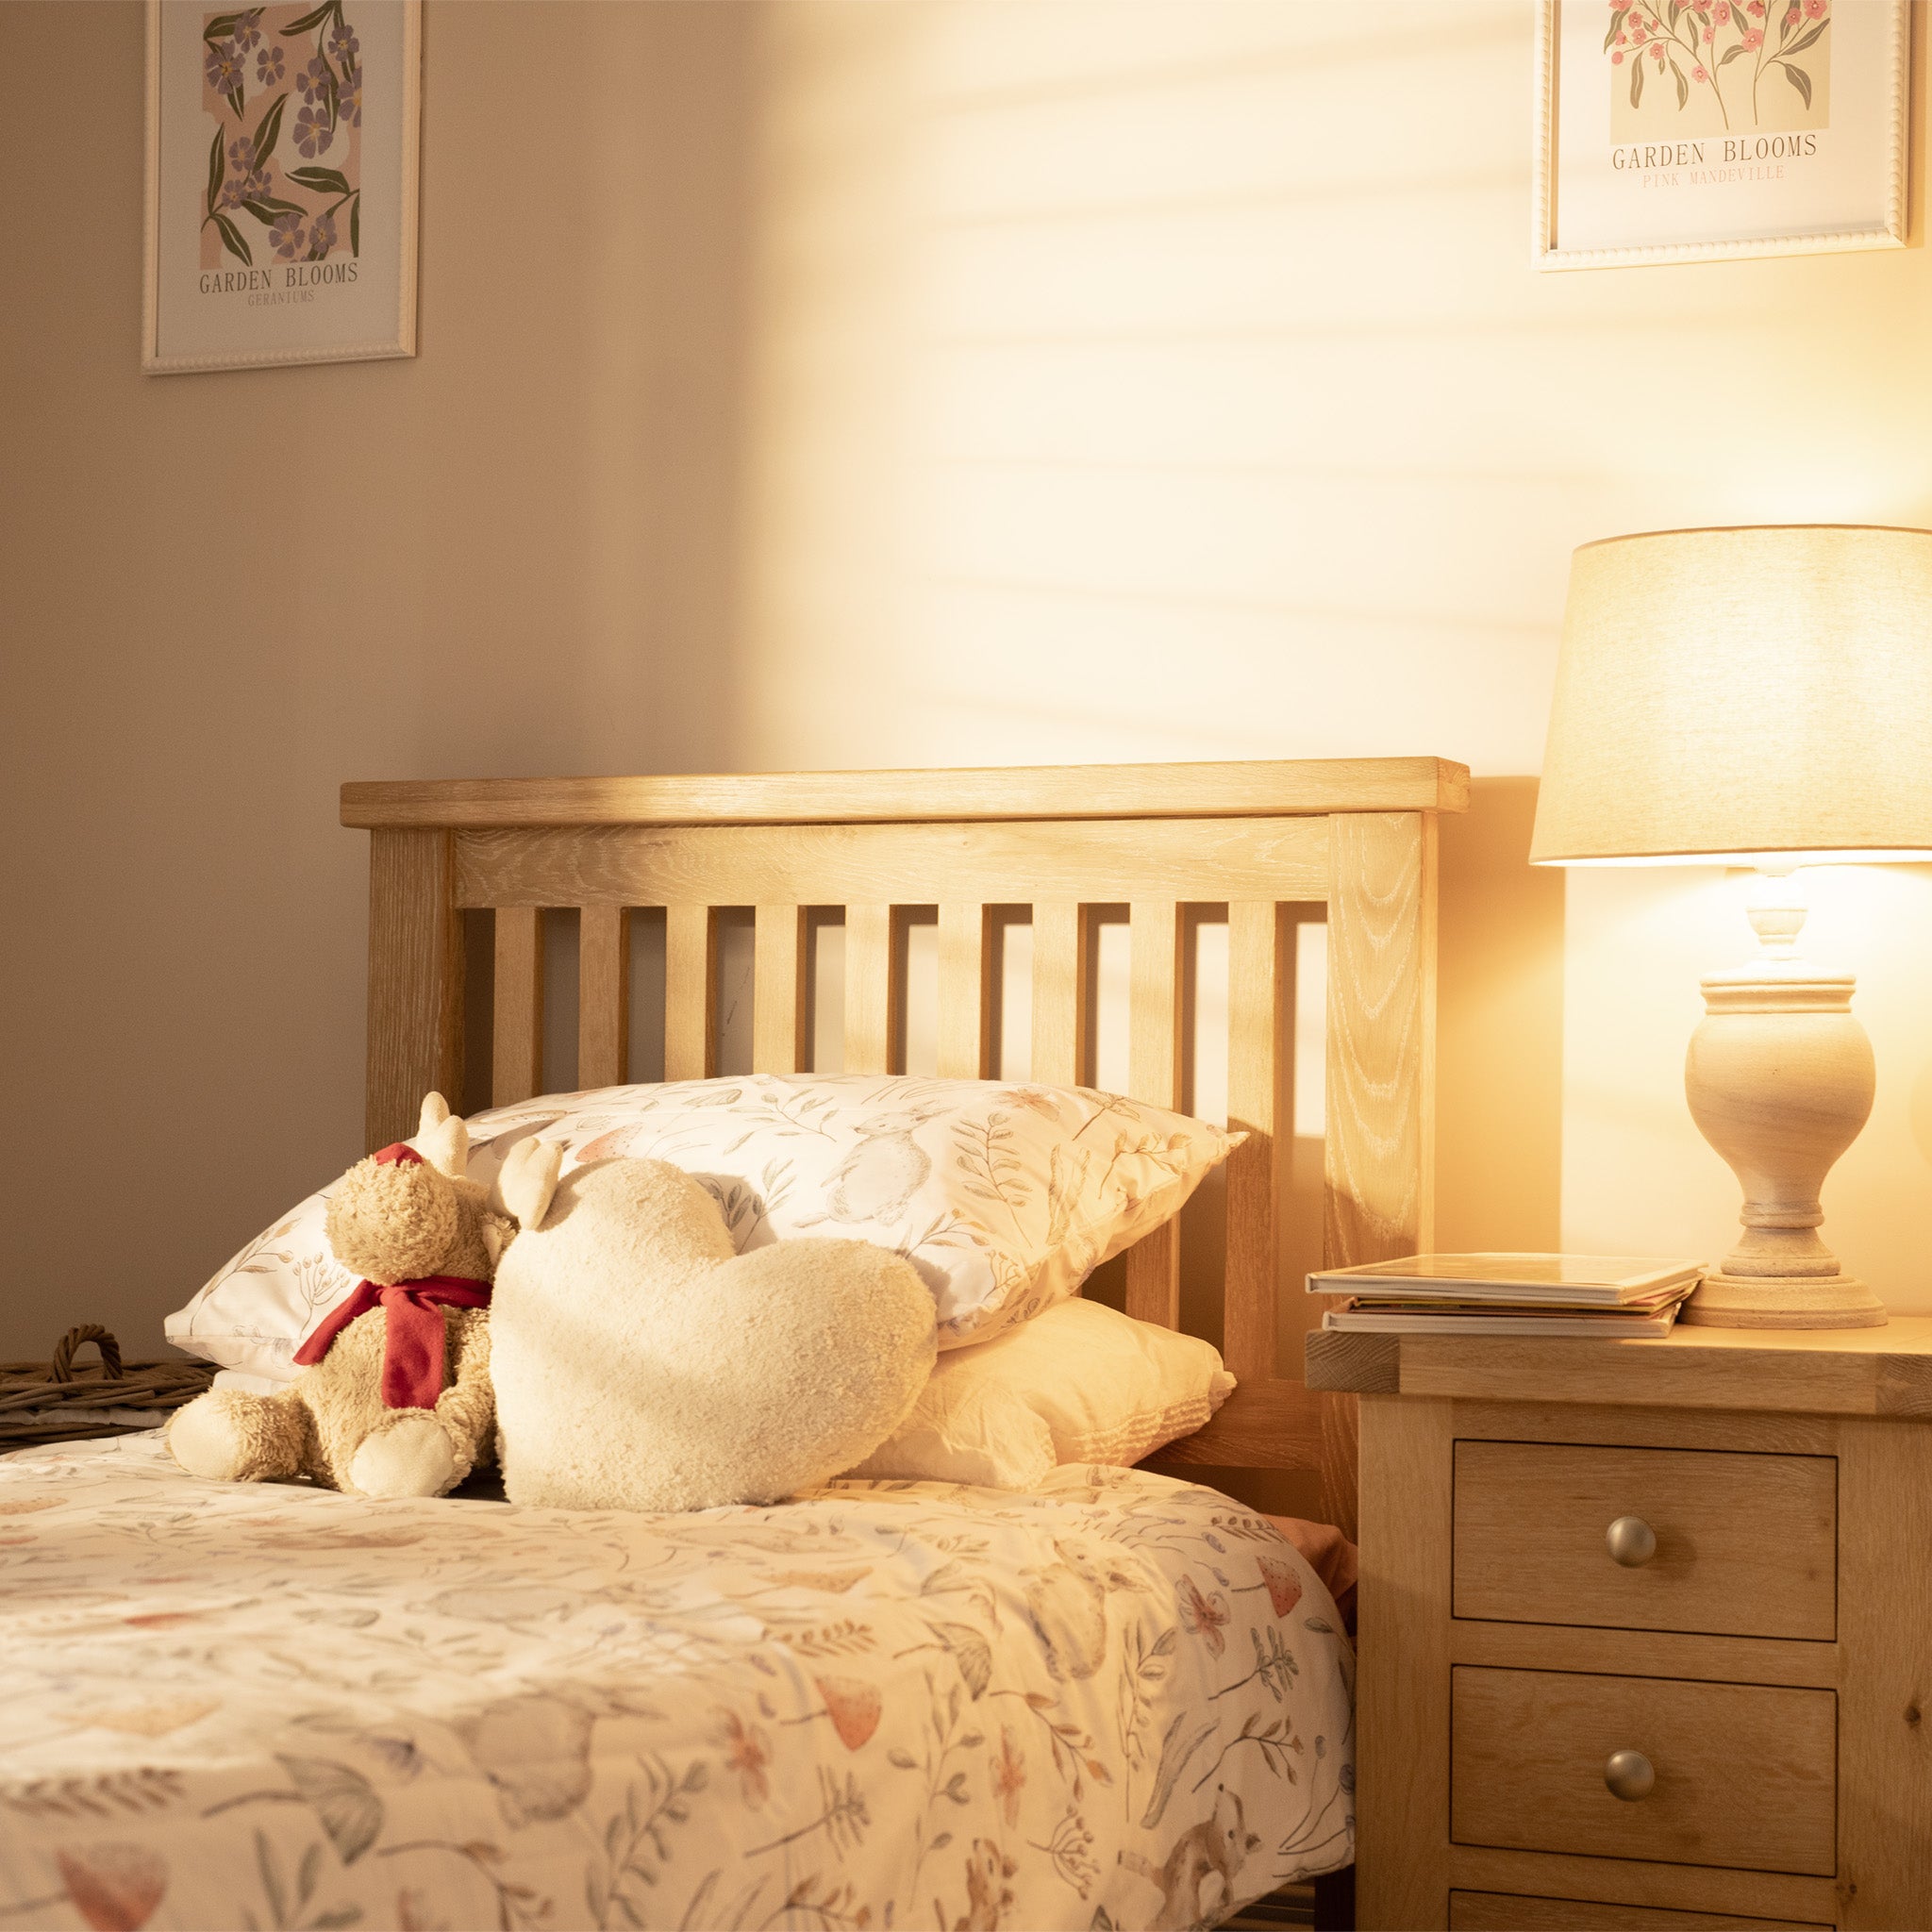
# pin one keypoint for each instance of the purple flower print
(349, 98)
(247, 30)
(240, 154)
(314, 80)
(270, 65)
(222, 64)
(289, 237)
(344, 44)
(312, 131)
(322, 236)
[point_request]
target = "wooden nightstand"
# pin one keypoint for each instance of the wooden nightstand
(1766, 1669)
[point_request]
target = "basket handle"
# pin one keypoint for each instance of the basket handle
(88, 1331)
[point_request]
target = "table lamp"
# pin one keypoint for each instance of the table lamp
(1758, 697)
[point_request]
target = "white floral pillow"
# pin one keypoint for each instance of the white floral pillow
(1004, 1197)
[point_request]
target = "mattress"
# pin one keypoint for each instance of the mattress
(1118, 1701)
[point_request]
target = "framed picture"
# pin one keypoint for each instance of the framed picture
(282, 146)
(1686, 130)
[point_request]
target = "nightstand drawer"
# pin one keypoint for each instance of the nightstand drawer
(1739, 1774)
(1496, 1911)
(1739, 1546)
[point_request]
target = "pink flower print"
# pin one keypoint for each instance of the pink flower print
(854, 1709)
(1283, 1581)
(1722, 12)
(748, 1752)
(1708, 32)
(312, 131)
(314, 80)
(115, 1888)
(222, 64)
(1753, 40)
(1815, 9)
(270, 65)
(1755, 7)
(322, 236)
(1010, 1775)
(344, 44)
(349, 98)
(1637, 33)
(1205, 1617)
(1698, 73)
(1616, 59)
(289, 237)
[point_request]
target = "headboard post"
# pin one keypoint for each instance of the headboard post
(415, 979)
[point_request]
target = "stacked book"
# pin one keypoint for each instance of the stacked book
(1508, 1295)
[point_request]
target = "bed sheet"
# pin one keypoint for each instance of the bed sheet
(1118, 1701)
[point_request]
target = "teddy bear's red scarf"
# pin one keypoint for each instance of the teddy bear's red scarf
(413, 1332)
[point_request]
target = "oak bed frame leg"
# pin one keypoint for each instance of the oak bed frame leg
(415, 979)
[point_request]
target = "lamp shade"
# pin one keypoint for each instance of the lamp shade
(1749, 694)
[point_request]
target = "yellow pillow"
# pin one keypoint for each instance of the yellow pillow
(1079, 1383)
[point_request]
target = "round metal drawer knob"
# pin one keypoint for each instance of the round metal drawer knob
(1631, 1541)
(1629, 1775)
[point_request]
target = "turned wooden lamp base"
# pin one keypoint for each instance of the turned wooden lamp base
(1780, 1078)
(1792, 1301)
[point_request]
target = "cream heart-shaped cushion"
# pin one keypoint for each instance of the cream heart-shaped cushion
(640, 1363)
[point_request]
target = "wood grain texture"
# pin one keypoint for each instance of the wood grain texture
(1153, 1074)
(415, 1023)
(603, 996)
(516, 1064)
(1262, 1425)
(1778, 1896)
(1061, 939)
(1746, 1545)
(1401, 1696)
(1381, 1037)
(1249, 789)
(1261, 951)
(965, 1017)
(1746, 1774)
(897, 864)
(872, 991)
(1885, 1701)
(1743, 1431)
(1646, 1654)
(778, 975)
(1845, 1372)
(691, 993)
(1495, 1911)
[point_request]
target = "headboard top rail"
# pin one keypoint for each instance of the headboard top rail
(1248, 788)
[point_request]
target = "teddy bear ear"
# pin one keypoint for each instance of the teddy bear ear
(527, 1180)
(435, 1111)
(445, 1146)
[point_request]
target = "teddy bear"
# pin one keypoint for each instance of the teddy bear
(395, 1398)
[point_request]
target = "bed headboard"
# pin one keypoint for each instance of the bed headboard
(1354, 839)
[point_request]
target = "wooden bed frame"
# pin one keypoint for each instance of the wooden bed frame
(1355, 837)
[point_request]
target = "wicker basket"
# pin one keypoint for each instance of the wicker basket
(55, 1402)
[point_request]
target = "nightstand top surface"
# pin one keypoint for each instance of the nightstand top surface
(1820, 1371)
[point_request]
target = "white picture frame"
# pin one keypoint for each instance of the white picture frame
(1616, 185)
(259, 249)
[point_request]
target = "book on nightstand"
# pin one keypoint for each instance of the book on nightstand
(1508, 1295)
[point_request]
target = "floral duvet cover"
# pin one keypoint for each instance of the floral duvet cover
(1118, 1701)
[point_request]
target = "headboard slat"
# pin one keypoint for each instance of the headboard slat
(872, 990)
(1260, 985)
(690, 992)
(965, 1017)
(778, 981)
(1061, 931)
(603, 996)
(516, 1060)
(1153, 1074)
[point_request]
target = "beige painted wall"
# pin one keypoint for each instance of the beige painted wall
(844, 382)
(221, 595)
